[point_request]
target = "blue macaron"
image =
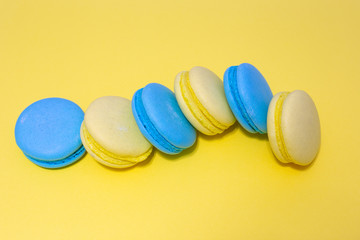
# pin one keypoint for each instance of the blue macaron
(248, 95)
(160, 119)
(48, 132)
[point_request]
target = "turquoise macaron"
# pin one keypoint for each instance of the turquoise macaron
(48, 132)
(161, 120)
(249, 96)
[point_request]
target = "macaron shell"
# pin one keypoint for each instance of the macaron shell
(272, 128)
(110, 122)
(301, 127)
(185, 109)
(232, 94)
(48, 129)
(165, 114)
(209, 90)
(255, 94)
(59, 163)
(148, 129)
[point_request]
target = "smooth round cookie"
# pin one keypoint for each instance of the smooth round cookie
(48, 132)
(294, 127)
(160, 119)
(248, 95)
(201, 97)
(111, 135)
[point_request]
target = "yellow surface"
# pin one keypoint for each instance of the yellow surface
(225, 187)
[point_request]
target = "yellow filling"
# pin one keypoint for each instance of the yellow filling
(279, 134)
(197, 109)
(108, 156)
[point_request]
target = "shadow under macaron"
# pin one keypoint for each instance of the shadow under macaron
(258, 136)
(233, 130)
(186, 152)
(193, 149)
(228, 131)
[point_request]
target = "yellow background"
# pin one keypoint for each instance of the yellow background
(225, 187)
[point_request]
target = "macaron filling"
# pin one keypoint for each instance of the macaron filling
(234, 91)
(197, 109)
(148, 125)
(278, 131)
(59, 162)
(107, 156)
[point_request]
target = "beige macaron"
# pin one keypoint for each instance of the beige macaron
(110, 134)
(293, 127)
(201, 97)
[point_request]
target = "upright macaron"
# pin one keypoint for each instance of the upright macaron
(48, 132)
(294, 127)
(201, 97)
(160, 119)
(110, 134)
(248, 95)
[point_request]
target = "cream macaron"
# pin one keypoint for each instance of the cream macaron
(293, 127)
(201, 97)
(110, 134)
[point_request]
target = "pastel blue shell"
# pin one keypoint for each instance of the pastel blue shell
(160, 119)
(248, 95)
(48, 132)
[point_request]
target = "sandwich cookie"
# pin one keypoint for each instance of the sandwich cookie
(110, 134)
(248, 95)
(160, 119)
(48, 132)
(201, 97)
(293, 127)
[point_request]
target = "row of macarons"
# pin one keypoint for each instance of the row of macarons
(119, 133)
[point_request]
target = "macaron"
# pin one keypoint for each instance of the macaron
(201, 97)
(293, 127)
(248, 95)
(110, 134)
(160, 119)
(48, 132)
